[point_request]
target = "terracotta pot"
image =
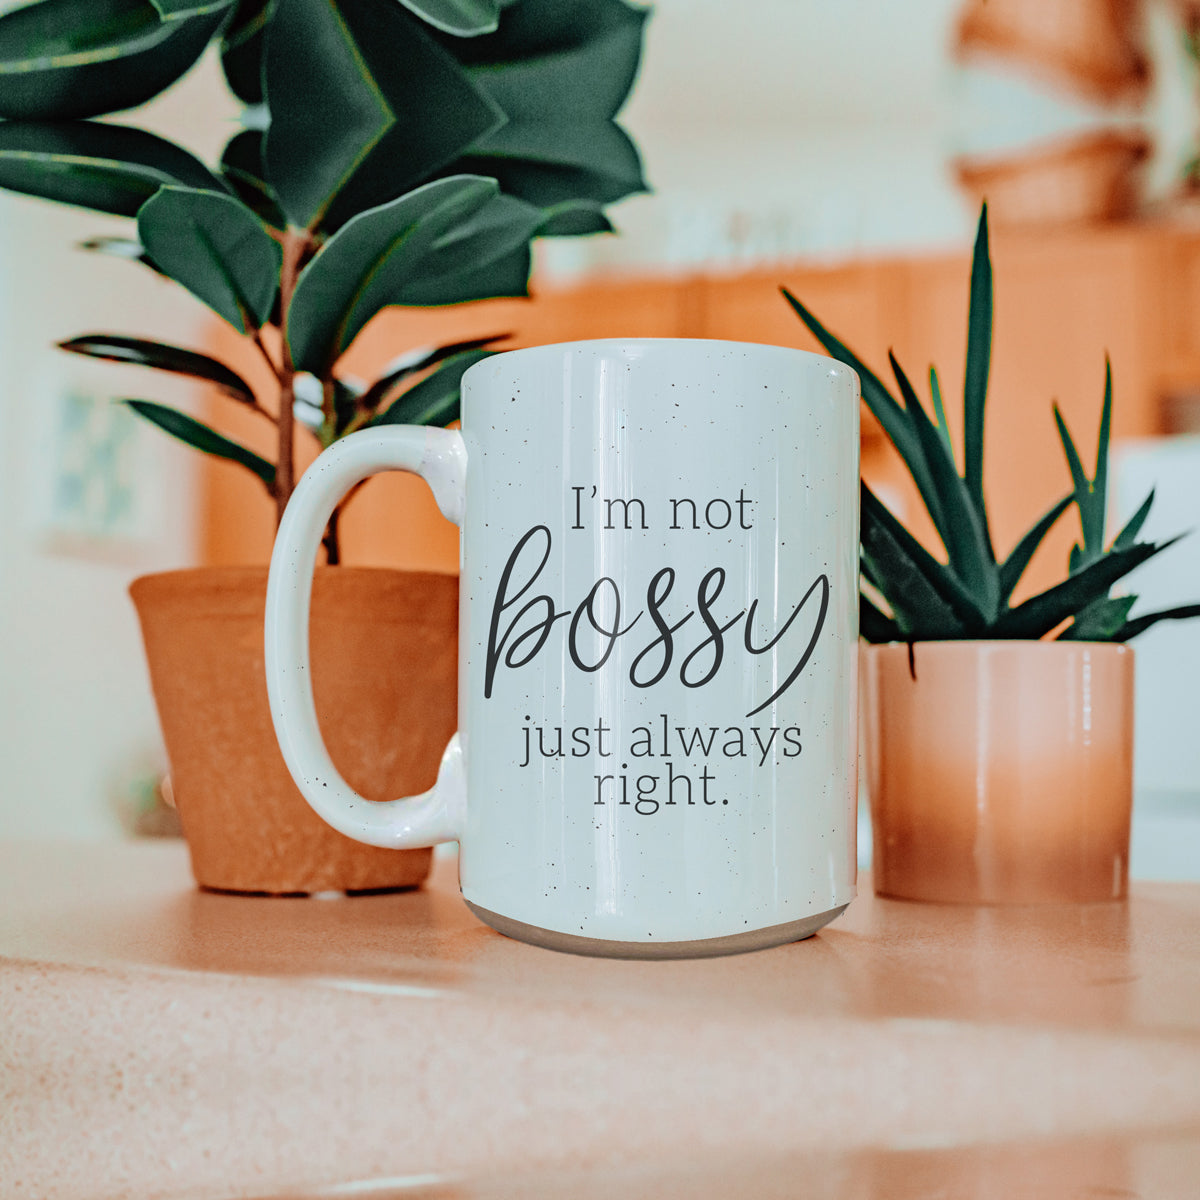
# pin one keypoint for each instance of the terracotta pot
(1088, 179)
(1002, 773)
(1094, 47)
(384, 668)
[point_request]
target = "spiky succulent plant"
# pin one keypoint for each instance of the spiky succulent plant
(969, 595)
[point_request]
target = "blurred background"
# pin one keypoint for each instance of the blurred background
(842, 149)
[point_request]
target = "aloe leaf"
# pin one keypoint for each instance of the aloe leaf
(869, 571)
(1100, 479)
(919, 423)
(107, 168)
(1074, 462)
(368, 263)
(1099, 621)
(362, 90)
(413, 364)
(1140, 624)
(175, 359)
(919, 611)
(954, 512)
(875, 626)
(217, 248)
(1085, 501)
(1014, 565)
(201, 437)
(939, 412)
(1049, 609)
(885, 408)
(435, 400)
(1133, 527)
(463, 18)
(925, 596)
(979, 359)
(65, 59)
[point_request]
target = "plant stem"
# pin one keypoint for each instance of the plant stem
(328, 413)
(327, 435)
(295, 244)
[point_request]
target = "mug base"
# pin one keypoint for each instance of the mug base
(736, 943)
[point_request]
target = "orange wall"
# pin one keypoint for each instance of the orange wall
(1062, 300)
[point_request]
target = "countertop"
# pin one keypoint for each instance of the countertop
(157, 1041)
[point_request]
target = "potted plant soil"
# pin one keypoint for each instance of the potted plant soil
(394, 152)
(999, 735)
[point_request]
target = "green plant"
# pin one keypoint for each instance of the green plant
(969, 595)
(394, 152)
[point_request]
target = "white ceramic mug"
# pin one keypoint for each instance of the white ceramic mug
(657, 746)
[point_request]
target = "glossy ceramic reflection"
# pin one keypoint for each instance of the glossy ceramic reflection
(658, 660)
(1000, 772)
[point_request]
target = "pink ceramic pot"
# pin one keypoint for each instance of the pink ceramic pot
(1000, 772)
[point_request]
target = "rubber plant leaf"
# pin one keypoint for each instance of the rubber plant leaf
(960, 526)
(176, 10)
(199, 436)
(414, 363)
(217, 248)
(242, 47)
(507, 276)
(978, 366)
(1044, 612)
(129, 249)
(559, 70)
(549, 165)
(462, 18)
(574, 218)
(1014, 565)
(485, 255)
(243, 170)
(140, 352)
(435, 399)
(66, 59)
(360, 88)
(107, 168)
(365, 266)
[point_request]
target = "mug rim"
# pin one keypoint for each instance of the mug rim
(548, 348)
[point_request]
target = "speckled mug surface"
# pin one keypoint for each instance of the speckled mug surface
(657, 747)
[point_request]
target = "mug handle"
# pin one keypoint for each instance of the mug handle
(439, 457)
